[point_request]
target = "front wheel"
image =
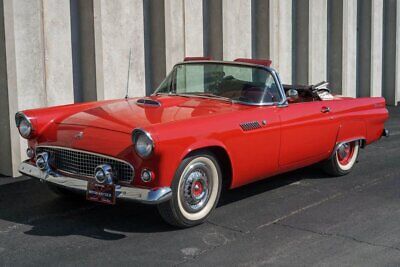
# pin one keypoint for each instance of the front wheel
(195, 191)
(343, 160)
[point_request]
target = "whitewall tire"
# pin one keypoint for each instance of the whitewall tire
(195, 191)
(343, 159)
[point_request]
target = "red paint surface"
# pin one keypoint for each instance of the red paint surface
(293, 136)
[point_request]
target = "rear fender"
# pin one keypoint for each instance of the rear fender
(352, 130)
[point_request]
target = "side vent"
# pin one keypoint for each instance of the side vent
(148, 102)
(249, 126)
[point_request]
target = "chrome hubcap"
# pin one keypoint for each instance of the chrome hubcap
(196, 187)
(344, 150)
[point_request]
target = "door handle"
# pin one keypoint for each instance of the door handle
(325, 109)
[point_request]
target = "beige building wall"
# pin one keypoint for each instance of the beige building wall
(119, 28)
(280, 40)
(64, 51)
(236, 27)
(39, 63)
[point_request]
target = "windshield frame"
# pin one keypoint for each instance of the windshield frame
(275, 76)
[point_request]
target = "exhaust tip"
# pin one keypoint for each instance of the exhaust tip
(385, 133)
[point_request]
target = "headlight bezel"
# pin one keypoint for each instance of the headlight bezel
(136, 134)
(20, 117)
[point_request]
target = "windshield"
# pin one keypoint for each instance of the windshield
(233, 82)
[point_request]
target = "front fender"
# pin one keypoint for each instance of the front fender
(203, 144)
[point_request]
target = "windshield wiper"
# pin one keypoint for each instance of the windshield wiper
(171, 94)
(204, 95)
(210, 95)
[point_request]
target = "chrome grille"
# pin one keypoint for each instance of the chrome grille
(248, 126)
(81, 163)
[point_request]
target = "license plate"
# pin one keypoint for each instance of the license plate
(104, 193)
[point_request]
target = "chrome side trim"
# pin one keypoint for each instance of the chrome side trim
(142, 195)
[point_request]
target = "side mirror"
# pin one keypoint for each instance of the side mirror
(292, 93)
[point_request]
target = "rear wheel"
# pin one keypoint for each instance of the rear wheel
(195, 191)
(343, 160)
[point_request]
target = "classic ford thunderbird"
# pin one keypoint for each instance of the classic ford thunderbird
(210, 125)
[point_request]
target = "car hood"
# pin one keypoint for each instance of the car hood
(125, 115)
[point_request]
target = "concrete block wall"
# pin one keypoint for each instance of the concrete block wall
(56, 52)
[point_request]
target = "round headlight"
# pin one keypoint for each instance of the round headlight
(24, 125)
(144, 145)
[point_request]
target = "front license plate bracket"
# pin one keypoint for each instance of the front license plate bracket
(103, 193)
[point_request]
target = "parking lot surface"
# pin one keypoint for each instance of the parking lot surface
(301, 218)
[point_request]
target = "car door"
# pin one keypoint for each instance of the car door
(308, 133)
(254, 146)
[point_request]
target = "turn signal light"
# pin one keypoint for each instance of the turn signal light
(147, 176)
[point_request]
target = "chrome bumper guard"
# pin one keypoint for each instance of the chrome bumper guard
(147, 196)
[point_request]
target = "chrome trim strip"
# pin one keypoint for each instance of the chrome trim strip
(279, 82)
(142, 195)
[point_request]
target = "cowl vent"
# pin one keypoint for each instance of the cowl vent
(249, 126)
(148, 102)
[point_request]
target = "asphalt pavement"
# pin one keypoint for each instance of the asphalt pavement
(302, 218)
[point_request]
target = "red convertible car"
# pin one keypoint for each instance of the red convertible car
(209, 125)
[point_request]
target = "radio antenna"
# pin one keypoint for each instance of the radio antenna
(129, 68)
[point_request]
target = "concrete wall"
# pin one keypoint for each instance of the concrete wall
(63, 51)
(39, 64)
(236, 29)
(280, 39)
(119, 28)
(5, 138)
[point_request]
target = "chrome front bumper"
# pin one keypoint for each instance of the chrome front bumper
(146, 196)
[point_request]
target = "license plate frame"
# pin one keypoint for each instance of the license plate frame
(103, 193)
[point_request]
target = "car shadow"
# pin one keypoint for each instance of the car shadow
(271, 183)
(32, 208)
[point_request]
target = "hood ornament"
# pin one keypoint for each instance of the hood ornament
(78, 136)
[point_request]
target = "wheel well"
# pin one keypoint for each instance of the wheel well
(223, 160)
(363, 143)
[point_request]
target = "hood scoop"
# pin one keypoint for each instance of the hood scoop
(148, 102)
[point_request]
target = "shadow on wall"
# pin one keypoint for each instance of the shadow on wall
(31, 203)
